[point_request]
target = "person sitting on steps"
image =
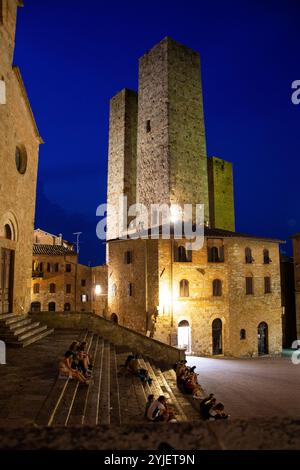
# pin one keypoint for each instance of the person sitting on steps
(150, 400)
(66, 370)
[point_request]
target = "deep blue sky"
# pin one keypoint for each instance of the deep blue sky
(75, 55)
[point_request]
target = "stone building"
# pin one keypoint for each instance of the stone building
(60, 282)
(296, 250)
(19, 149)
(223, 298)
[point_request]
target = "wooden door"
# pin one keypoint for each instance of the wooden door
(6, 280)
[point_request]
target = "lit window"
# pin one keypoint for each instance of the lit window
(36, 288)
(184, 288)
(98, 289)
(84, 298)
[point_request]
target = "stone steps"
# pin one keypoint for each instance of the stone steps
(21, 331)
(115, 395)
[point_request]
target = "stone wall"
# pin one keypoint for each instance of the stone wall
(17, 191)
(114, 333)
(221, 197)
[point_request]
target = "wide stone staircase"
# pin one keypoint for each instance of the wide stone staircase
(21, 330)
(115, 396)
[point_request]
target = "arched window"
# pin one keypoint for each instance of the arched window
(8, 232)
(217, 288)
(266, 255)
(114, 318)
(21, 159)
(184, 288)
(52, 288)
(181, 254)
(48, 267)
(242, 334)
(41, 267)
(56, 267)
(248, 256)
(67, 307)
(249, 284)
(51, 307)
(36, 288)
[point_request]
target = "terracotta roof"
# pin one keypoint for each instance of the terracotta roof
(54, 250)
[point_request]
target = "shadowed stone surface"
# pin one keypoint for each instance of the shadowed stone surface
(232, 435)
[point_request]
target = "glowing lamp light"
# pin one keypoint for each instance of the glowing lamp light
(165, 299)
(98, 289)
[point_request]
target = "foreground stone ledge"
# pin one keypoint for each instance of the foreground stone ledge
(261, 434)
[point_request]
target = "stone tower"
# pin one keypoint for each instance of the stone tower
(221, 197)
(122, 154)
(171, 147)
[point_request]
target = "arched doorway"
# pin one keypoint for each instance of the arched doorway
(114, 318)
(262, 336)
(51, 306)
(217, 337)
(184, 335)
(35, 307)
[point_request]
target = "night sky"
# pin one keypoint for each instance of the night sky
(75, 55)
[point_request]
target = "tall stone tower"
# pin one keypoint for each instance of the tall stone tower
(171, 147)
(221, 197)
(122, 155)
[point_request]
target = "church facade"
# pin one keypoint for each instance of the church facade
(222, 299)
(19, 149)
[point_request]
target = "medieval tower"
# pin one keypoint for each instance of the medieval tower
(157, 145)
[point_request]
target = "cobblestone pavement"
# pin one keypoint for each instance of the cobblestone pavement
(28, 376)
(257, 387)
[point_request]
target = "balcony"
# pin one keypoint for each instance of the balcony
(37, 275)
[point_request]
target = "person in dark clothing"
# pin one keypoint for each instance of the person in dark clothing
(217, 412)
(206, 405)
(128, 359)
